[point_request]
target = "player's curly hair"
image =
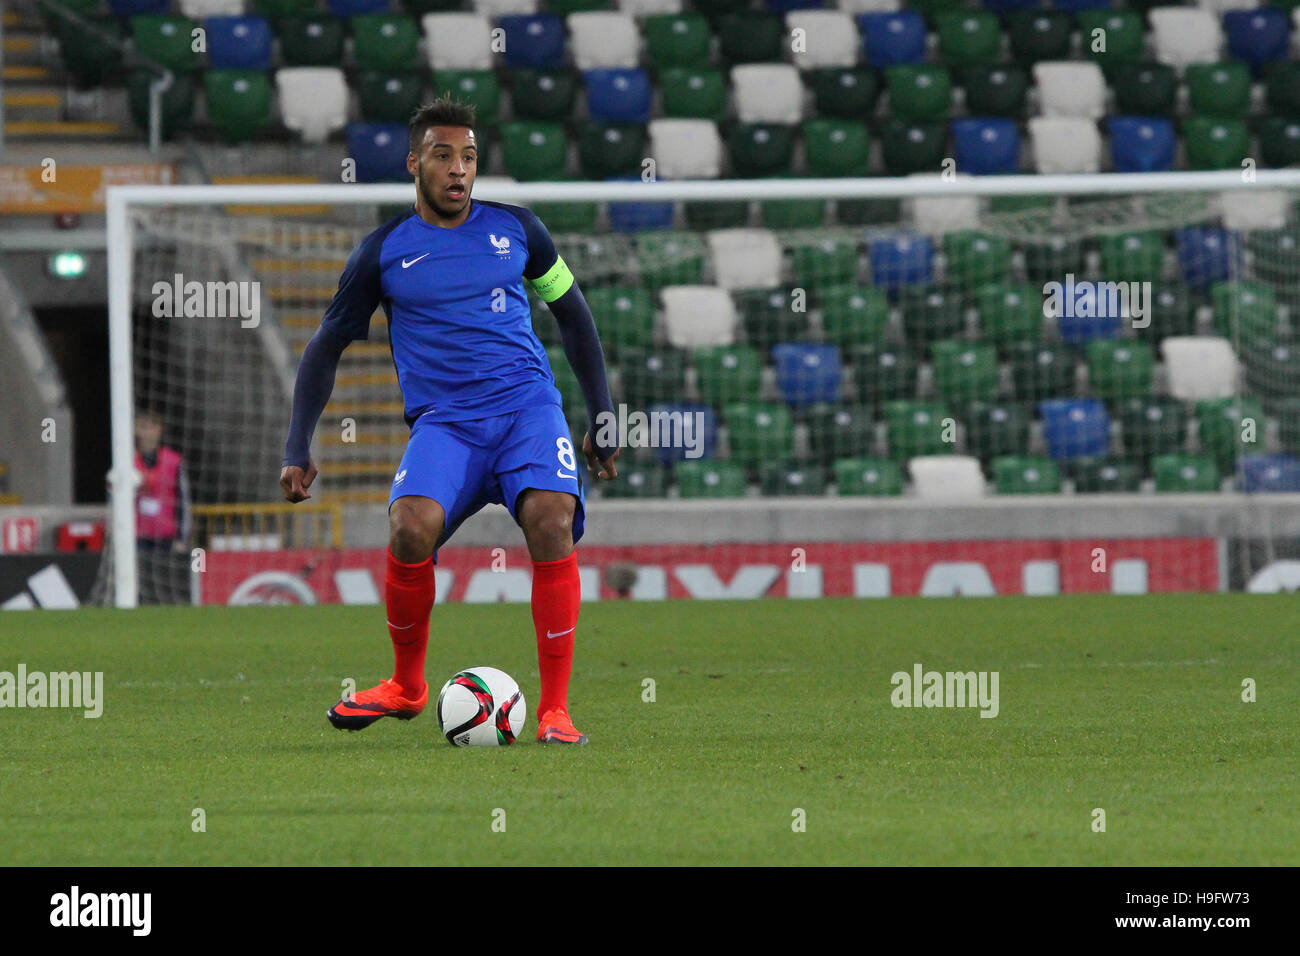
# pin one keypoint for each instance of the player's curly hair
(443, 111)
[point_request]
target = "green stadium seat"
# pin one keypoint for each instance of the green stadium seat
(166, 39)
(1103, 475)
(710, 479)
(1282, 89)
(760, 149)
(716, 9)
(624, 314)
(828, 260)
(385, 41)
(836, 147)
(969, 38)
(239, 102)
(670, 258)
(1133, 256)
(917, 428)
(611, 149)
(853, 314)
(1182, 473)
(1244, 312)
(1024, 475)
(1215, 143)
(995, 90)
(1224, 424)
(1273, 371)
(1173, 310)
(759, 432)
(677, 40)
(568, 216)
(1009, 313)
(883, 373)
(311, 40)
(750, 37)
(479, 88)
(868, 476)
(1218, 90)
(769, 317)
(965, 371)
(693, 93)
(544, 325)
(1118, 369)
(933, 9)
(177, 102)
(1051, 260)
(1144, 89)
(840, 431)
(705, 214)
(783, 214)
(543, 94)
(930, 313)
(637, 481)
(1037, 35)
(976, 259)
(1111, 37)
(868, 212)
(919, 93)
(87, 55)
(651, 375)
(844, 92)
(727, 374)
(1288, 424)
(534, 150)
(785, 478)
(996, 428)
(1153, 425)
(278, 10)
(561, 8)
(565, 380)
(908, 148)
(389, 97)
(1040, 371)
(1279, 141)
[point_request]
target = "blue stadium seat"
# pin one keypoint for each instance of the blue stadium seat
(1258, 36)
(807, 373)
(379, 150)
(535, 42)
(239, 43)
(1141, 144)
(1075, 427)
(889, 39)
(1207, 254)
(986, 145)
(1270, 473)
(706, 439)
(785, 6)
(355, 8)
(132, 8)
(618, 95)
(639, 216)
(1093, 314)
(1074, 6)
(901, 259)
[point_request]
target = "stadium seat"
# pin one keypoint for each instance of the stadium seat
(1244, 312)
(238, 43)
(677, 40)
(1106, 475)
(964, 371)
(1070, 89)
(133, 8)
(1185, 473)
(1048, 259)
(1207, 254)
(385, 42)
(946, 477)
(1111, 37)
(566, 381)
(820, 262)
(918, 428)
(901, 259)
(857, 7)
(533, 41)
(1173, 310)
(758, 432)
(685, 148)
(1009, 313)
(787, 478)
(1074, 6)
(672, 258)
(684, 426)
(836, 147)
(650, 375)
(760, 149)
(830, 39)
(479, 88)
(1254, 210)
(1152, 425)
(969, 38)
(1270, 473)
(937, 214)
(1068, 145)
(843, 93)
(1144, 89)
(909, 148)
(203, 9)
(389, 97)
(1273, 371)
(930, 313)
(1279, 141)
(177, 108)
(1182, 36)
(606, 150)
(648, 8)
(380, 151)
(710, 479)
(986, 146)
(919, 93)
(853, 314)
(1075, 427)
(975, 259)
(1037, 35)
(696, 316)
(618, 95)
(995, 90)
(636, 481)
(839, 431)
(501, 9)
(767, 93)
(239, 102)
(751, 37)
(1096, 312)
(1141, 144)
(543, 94)
(561, 8)
(727, 374)
(166, 40)
(1282, 86)
(1025, 475)
(996, 428)
(1132, 256)
(745, 258)
(457, 41)
(315, 40)
(807, 374)
(769, 316)
(883, 373)
(1119, 370)
(892, 38)
(534, 150)
(868, 476)
(1199, 367)
(313, 100)
(693, 94)
(1218, 90)
(627, 316)
(1040, 371)
(1229, 427)
(277, 10)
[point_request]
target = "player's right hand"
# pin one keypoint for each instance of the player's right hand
(294, 482)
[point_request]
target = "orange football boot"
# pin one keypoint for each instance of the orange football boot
(363, 709)
(555, 727)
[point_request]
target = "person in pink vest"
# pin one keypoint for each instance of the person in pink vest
(162, 501)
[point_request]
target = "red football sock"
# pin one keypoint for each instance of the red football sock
(408, 589)
(557, 592)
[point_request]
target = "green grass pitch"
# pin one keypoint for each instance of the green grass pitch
(1129, 704)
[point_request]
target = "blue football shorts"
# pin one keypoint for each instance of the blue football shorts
(468, 464)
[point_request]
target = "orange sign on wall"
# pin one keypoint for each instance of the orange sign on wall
(54, 189)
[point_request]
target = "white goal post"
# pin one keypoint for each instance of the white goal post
(125, 203)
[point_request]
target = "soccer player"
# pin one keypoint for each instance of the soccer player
(485, 415)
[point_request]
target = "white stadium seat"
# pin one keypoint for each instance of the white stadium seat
(1185, 35)
(854, 7)
(1220, 7)
(946, 476)
(458, 41)
(830, 38)
(745, 258)
(649, 8)
(202, 9)
(1070, 89)
(493, 9)
(603, 40)
(686, 148)
(696, 316)
(313, 100)
(936, 215)
(1245, 209)
(1065, 144)
(1200, 366)
(767, 93)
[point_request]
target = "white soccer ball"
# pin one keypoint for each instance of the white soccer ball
(481, 707)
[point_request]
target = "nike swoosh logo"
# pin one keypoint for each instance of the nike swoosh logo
(561, 474)
(561, 633)
(407, 265)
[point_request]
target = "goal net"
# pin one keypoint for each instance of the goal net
(911, 386)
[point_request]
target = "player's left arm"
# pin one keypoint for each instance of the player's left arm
(551, 279)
